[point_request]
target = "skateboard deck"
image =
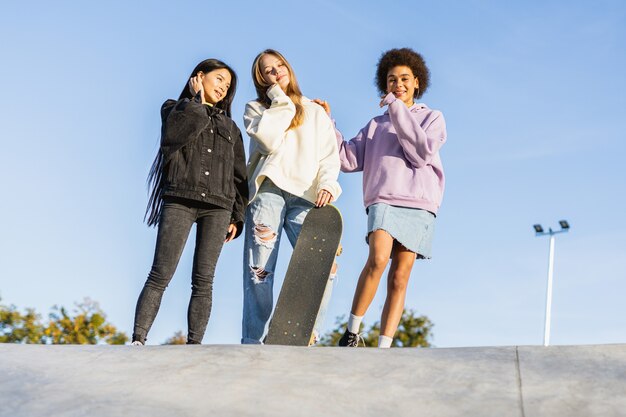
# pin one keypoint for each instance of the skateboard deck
(307, 274)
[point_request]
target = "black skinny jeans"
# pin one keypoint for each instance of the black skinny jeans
(175, 222)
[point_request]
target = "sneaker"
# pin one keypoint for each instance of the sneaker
(350, 339)
(136, 343)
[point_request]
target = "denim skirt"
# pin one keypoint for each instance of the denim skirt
(413, 228)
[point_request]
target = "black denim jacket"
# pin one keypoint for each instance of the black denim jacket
(203, 157)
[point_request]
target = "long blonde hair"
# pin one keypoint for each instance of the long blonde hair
(293, 89)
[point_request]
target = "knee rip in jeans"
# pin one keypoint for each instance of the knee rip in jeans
(259, 274)
(264, 236)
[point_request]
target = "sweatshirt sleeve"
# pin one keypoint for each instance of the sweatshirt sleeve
(268, 126)
(329, 164)
(419, 143)
(183, 121)
(241, 185)
(351, 153)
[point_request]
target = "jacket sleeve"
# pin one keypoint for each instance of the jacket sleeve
(419, 142)
(268, 126)
(183, 121)
(329, 164)
(241, 185)
(351, 153)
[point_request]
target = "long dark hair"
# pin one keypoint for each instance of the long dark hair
(155, 177)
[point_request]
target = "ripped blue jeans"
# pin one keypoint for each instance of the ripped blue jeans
(271, 211)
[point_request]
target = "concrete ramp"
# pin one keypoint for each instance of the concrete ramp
(233, 380)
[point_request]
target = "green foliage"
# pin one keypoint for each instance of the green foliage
(413, 331)
(16, 327)
(179, 338)
(88, 325)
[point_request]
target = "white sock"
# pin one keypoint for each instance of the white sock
(384, 341)
(354, 323)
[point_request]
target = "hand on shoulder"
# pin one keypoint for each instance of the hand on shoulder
(322, 103)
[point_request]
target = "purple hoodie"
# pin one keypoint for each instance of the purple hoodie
(398, 153)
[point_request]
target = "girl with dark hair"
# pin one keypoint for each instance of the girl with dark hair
(198, 176)
(293, 167)
(403, 185)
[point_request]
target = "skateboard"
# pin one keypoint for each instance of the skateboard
(307, 274)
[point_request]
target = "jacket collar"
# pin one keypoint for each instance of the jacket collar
(213, 110)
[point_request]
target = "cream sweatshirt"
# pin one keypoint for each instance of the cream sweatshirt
(301, 161)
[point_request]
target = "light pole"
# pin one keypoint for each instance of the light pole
(540, 232)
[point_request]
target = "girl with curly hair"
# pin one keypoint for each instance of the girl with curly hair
(403, 184)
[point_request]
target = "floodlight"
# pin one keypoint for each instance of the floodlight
(552, 233)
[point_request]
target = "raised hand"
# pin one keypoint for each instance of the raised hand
(382, 100)
(195, 86)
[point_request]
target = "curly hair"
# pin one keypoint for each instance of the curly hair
(403, 56)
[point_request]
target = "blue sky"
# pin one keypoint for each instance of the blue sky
(534, 98)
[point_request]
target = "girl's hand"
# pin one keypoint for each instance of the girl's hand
(232, 231)
(323, 197)
(322, 103)
(270, 87)
(195, 86)
(382, 101)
